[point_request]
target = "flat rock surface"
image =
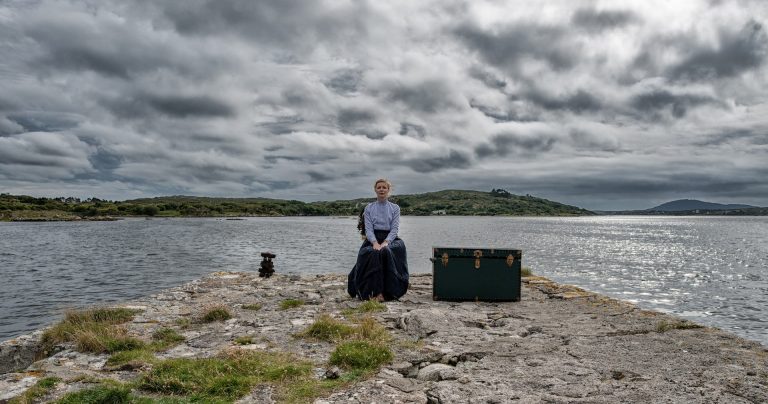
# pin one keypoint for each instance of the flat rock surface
(559, 344)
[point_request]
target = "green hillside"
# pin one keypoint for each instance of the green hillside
(470, 203)
(448, 202)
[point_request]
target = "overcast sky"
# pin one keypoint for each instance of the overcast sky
(603, 105)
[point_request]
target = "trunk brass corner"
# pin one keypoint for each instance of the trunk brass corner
(510, 260)
(445, 259)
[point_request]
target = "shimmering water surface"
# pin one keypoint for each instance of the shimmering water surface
(709, 269)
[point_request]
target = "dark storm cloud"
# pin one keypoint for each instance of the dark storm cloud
(319, 177)
(736, 53)
(57, 154)
(69, 46)
(179, 106)
(279, 185)
(371, 133)
(657, 100)
(510, 45)
(105, 160)
(512, 143)
(578, 102)
(293, 26)
(748, 136)
(121, 48)
(88, 59)
(428, 96)
(352, 117)
(183, 106)
(487, 77)
(412, 130)
(510, 114)
(664, 184)
(454, 159)
(493, 113)
(586, 140)
(6, 104)
(595, 21)
(273, 159)
(44, 121)
(281, 126)
(8, 127)
(344, 81)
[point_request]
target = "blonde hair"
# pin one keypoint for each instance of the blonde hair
(384, 180)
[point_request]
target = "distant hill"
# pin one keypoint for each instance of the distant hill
(470, 203)
(692, 207)
(681, 205)
(448, 202)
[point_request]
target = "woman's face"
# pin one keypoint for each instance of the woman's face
(382, 190)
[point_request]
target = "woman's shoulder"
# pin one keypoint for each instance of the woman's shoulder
(371, 205)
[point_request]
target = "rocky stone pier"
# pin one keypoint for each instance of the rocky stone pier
(559, 344)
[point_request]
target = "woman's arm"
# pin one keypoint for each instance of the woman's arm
(369, 225)
(394, 224)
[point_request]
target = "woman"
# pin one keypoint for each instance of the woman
(381, 271)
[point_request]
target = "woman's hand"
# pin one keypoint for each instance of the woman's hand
(377, 246)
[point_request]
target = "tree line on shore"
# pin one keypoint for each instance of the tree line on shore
(448, 202)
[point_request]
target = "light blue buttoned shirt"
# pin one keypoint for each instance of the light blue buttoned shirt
(382, 216)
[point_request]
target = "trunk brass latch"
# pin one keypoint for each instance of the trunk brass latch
(477, 254)
(445, 259)
(510, 260)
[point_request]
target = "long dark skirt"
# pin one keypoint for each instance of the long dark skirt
(384, 271)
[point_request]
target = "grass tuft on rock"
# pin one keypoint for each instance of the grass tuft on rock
(370, 306)
(117, 315)
(215, 313)
(244, 340)
(102, 394)
(369, 329)
(136, 356)
(86, 379)
(664, 325)
(366, 307)
(93, 330)
(360, 355)
(167, 336)
(183, 323)
(291, 304)
(253, 307)
(526, 271)
(162, 339)
(36, 392)
(327, 328)
(226, 377)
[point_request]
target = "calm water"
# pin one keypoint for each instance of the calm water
(708, 269)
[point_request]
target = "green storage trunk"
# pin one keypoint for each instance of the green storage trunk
(477, 274)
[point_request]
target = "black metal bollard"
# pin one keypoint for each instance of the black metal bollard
(267, 267)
